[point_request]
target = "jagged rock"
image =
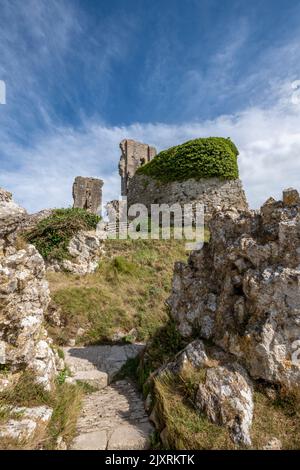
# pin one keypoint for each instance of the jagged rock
(24, 297)
(27, 423)
(226, 398)
(224, 392)
(242, 290)
(85, 250)
(11, 215)
(60, 444)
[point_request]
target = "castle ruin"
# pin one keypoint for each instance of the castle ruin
(134, 154)
(87, 194)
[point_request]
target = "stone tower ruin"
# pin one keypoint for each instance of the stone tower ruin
(134, 154)
(87, 194)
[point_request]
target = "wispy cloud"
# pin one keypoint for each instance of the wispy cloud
(268, 140)
(66, 70)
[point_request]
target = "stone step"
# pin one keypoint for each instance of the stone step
(98, 365)
(113, 419)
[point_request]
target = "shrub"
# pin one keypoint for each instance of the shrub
(52, 235)
(199, 158)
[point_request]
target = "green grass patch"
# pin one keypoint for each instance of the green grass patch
(128, 291)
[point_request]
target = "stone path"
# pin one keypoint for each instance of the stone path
(113, 417)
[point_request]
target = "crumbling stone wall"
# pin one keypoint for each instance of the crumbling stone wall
(212, 192)
(87, 194)
(134, 154)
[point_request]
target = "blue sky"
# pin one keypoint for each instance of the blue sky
(81, 75)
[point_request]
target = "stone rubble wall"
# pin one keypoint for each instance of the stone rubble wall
(24, 298)
(212, 192)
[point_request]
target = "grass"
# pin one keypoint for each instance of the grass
(128, 291)
(65, 400)
(52, 235)
(277, 417)
(186, 428)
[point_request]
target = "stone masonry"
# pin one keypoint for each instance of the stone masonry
(134, 154)
(87, 194)
(212, 192)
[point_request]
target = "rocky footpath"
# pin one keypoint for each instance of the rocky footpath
(24, 298)
(239, 300)
(113, 415)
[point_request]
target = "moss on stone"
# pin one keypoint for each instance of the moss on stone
(199, 158)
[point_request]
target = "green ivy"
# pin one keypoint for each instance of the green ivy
(200, 158)
(52, 235)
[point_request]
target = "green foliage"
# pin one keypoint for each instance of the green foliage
(52, 235)
(199, 158)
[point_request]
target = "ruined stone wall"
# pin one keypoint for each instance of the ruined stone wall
(134, 154)
(87, 194)
(212, 192)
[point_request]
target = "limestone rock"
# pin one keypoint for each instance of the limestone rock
(242, 290)
(226, 398)
(224, 391)
(85, 250)
(273, 444)
(30, 422)
(24, 298)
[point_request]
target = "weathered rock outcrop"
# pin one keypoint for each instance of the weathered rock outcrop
(224, 392)
(85, 250)
(24, 297)
(212, 193)
(240, 297)
(242, 291)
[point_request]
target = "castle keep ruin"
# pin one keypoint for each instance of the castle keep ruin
(182, 174)
(87, 194)
(134, 154)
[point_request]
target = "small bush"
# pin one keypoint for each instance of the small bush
(52, 235)
(199, 158)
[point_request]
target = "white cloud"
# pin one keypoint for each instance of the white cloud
(268, 140)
